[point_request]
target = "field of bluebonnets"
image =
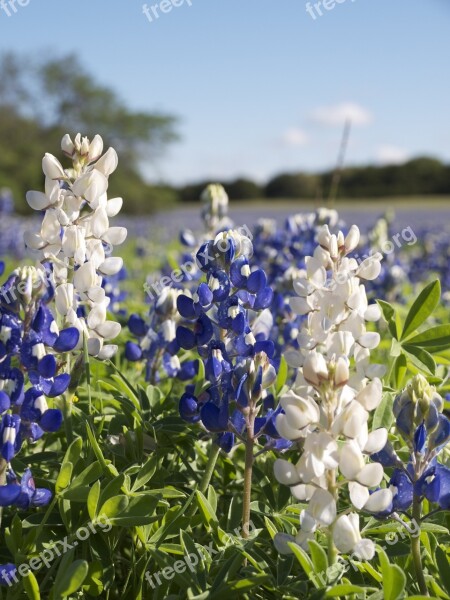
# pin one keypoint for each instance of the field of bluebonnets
(249, 411)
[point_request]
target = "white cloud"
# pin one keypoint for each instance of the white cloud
(294, 137)
(391, 155)
(339, 113)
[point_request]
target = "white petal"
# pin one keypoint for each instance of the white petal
(114, 206)
(85, 277)
(370, 396)
(109, 330)
(379, 501)
(371, 475)
(344, 535)
(322, 507)
(37, 200)
(108, 351)
(285, 472)
(107, 164)
(369, 340)
(365, 549)
(351, 460)
(359, 494)
(52, 167)
(111, 265)
(116, 236)
(376, 441)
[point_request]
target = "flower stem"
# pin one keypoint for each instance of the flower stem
(249, 447)
(332, 550)
(207, 475)
(3, 466)
(204, 483)
(416, 549)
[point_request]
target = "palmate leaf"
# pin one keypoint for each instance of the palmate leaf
(422, 308)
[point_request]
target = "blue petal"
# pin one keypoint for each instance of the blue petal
(5, 402)
(420, 438)
(205, 295)
(257, 281)
(185, 338)
(7, 572)
(41, 497)
(9, 494)
(60, 385)
(133, 352)
(188, 408)
(403, 497)
(185, 306)
(225, 441)
(47, 366)
(51, 420)
(263, 299)
(137, 326)
(67, 340)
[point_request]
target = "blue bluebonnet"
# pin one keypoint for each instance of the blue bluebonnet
(32, 351)
(23, 493)
(225, 322)
(156, 341)
(426, 432)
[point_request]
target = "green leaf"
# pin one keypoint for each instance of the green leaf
(344, 589)
(71, 579)
(92, 501)
(423, 357)
(73, 453)
(436, 337)
(64, 476)
(31, 586)
(394, 579)
(282, 375)
(384, 416)
(318, 557)
(389, 315)
(114, 506)
(90, 474)
(146, 473)
(303, 559)
(206, 509)
(422, 308)
(443, 566)
(399, 371)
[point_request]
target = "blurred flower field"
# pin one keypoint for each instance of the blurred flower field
(241, 409)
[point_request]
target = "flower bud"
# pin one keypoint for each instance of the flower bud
(352, 239)
(67, 145)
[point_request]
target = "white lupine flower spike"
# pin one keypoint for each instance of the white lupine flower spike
(336, 388)
(75, 234)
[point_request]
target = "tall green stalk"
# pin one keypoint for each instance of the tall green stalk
(416, 548)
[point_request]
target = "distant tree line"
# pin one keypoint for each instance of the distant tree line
(417, 177)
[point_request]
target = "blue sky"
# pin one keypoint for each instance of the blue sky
(259, 85)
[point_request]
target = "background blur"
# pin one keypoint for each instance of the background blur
(255, 94)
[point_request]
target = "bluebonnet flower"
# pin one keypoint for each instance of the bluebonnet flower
(224, 321)
(157, 342)
(426, 432)
(23, 494)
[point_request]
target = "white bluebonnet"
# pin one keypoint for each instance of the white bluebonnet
(336, 388)
(76, 238)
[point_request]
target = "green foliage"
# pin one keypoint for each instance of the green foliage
(413, 346)
(68, 94)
